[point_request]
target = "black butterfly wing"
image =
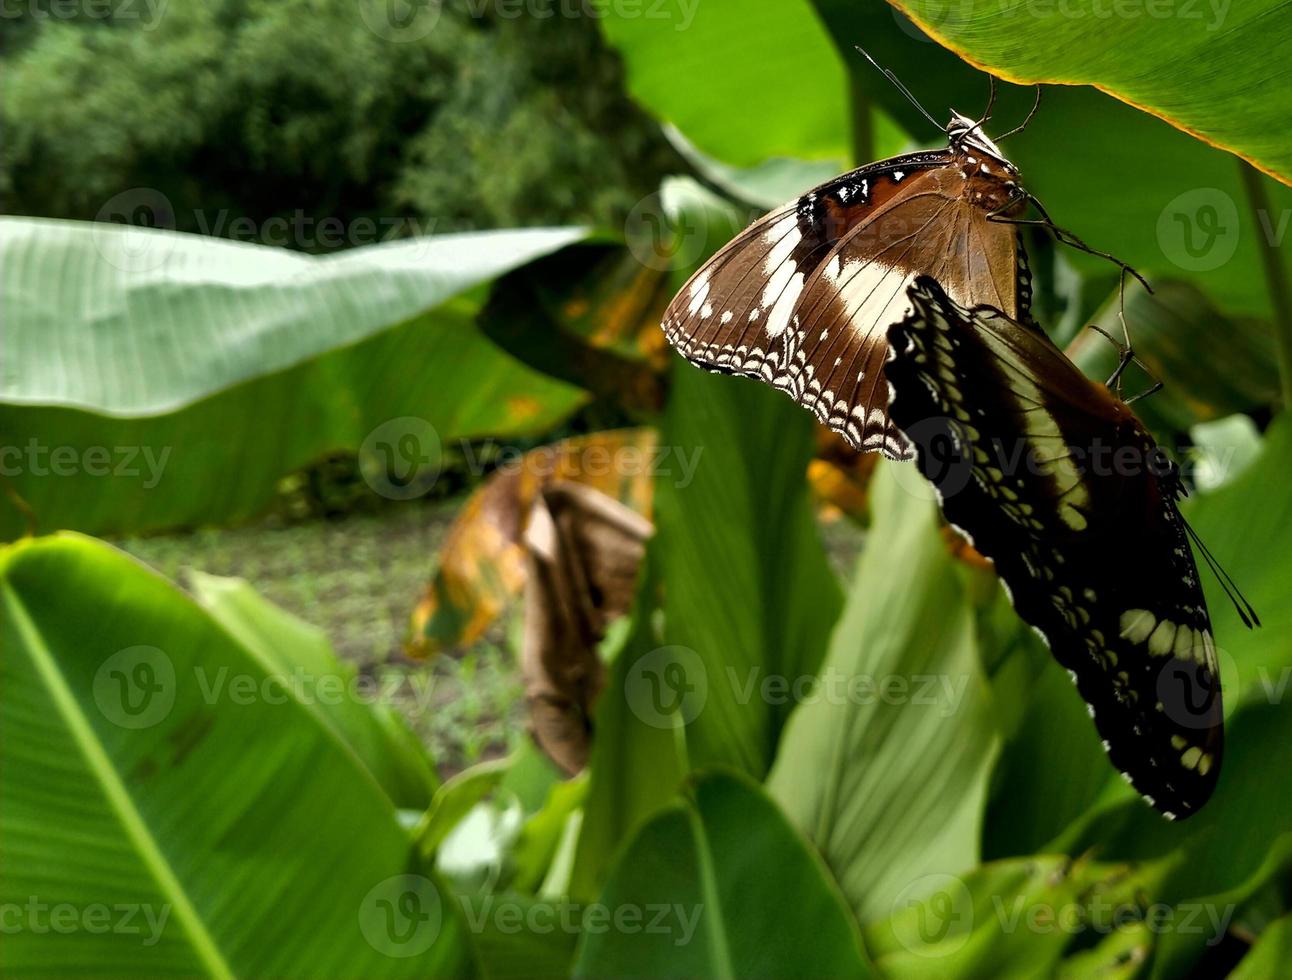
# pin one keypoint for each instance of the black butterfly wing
(1058, 483)
(802, 299)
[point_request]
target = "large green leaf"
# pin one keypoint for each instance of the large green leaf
(299, 656)
(1196, 65)
(1052, 769)
(695, 69)
(885, 768)
(272, 377)
(638, 759)
(154, 764)
(126, 321)
(738, 595)
(747, 585)
(518, 937)
(1096, 163)
(729, 889)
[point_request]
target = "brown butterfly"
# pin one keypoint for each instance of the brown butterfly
(803, 297)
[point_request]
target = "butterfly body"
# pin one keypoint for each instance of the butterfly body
(802, 299)
(1054, 479)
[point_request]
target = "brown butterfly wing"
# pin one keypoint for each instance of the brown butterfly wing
(803, 298)
(1058, 483)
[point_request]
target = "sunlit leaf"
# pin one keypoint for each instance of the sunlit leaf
(153, 761)
(885, 765)
(667, 56)
(734, 892)
(300, 658)
(1196, 66)
(148, 396)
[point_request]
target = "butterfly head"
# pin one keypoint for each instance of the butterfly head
(966, 136)
(993, 180)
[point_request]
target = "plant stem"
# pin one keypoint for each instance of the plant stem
(863, 121)
(1276, 279)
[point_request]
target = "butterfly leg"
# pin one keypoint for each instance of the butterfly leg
(1157, 386)
(1063, 235)
(1127, 357)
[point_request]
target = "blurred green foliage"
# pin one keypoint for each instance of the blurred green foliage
(300, 109)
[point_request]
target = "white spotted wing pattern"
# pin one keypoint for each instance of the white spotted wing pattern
(1055, 480)
(803, 298)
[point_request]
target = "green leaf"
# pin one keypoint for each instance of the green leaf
(455, 799)
(1197, 66)
(711, 41)
(131, 779)
(1270, 955)
(638, 759)
(1118, 956)
(1179, 949)
(885, 767)
(300, 658)
(1052, 770)
(129, 321)
(732, 890)
(255, 378)
(737, 593)
(518, 937)
(748, 587)
(541, 836)
(1084, 146)
(1006, 919)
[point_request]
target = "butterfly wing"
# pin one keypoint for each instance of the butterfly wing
(1058, 483)
(802, 299)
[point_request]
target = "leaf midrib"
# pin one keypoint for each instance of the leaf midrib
(118, 796)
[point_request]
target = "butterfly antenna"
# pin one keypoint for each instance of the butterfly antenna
(1023, 125)
(991, 102)
(897, 83)
(1244, 608)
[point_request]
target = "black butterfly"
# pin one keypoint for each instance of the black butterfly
(1052, 477)
(803, 297)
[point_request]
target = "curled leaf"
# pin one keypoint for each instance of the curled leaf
(583, 550)
(482, 563)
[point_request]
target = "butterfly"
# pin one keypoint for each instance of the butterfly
(1052, 477)
(803, 297)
